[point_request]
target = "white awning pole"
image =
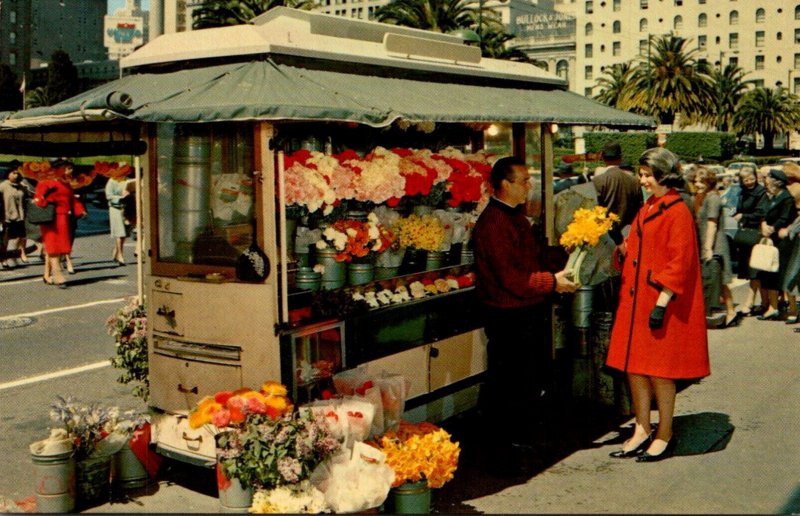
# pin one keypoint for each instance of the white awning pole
(139, 234)
(282, 230)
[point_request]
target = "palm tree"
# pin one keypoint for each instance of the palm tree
(435, 15)
(221, 13)
(613, 85)
(729, 87)
(670, 83)
(37, 97)
(494, 44)
(769, 112)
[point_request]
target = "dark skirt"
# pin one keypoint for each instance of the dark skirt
(743, 270)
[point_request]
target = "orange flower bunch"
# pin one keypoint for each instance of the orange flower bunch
(231, 407)
(420, 451)
(40, 170)
(112, 170)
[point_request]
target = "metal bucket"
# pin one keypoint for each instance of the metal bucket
(129, 472)
(54, 477)
(335, 273)
(190, 189)
(232, 496)
(92, 481)
(411, 498)
(434, 260)
(308, 279)
(360, 273)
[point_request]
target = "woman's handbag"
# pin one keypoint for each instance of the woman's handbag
(35, 214)
(747, 237)
(765, 256)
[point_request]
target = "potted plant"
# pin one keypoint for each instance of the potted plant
(423, 457)
(95, 437)
(128, 326)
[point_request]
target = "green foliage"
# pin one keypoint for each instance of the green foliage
(222, 13)
(128, 326)
(37, 97)
(718, 146)
(10, 97)
(767, 111)
(62, 78)
(613, 84)
(436, 15)
(265, 452)
(632, 144)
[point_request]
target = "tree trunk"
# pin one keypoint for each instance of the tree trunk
(769, 139)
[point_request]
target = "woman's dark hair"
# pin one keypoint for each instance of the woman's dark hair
(503, 168)
(708, 177)
(664, 164)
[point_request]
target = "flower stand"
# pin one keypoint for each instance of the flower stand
(410, 498)
(92, 481)
(232, 496)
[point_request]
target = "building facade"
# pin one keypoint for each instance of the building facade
(760, 36)
(170, 16)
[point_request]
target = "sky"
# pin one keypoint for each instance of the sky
(113, 5)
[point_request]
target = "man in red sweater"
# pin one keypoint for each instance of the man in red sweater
(513, 285)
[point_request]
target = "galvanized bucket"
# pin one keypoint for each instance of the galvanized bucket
(232, 496)
(411, 498)
(54, 477)
(92, 481)
(308, 279)
(582, 307)
(335, 273)
(190, 190)
(434, 260)
(360, 273)
(129, 472)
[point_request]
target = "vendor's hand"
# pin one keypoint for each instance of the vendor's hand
(622, 248)
(708, 254)
(657, 317)
(563, 283)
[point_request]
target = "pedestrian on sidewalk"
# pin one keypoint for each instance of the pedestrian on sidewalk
(659, 332)
(116, 192)
(13, 196)
(512, 286)
(56, 235)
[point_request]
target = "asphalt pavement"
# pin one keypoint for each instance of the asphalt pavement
(738, 449)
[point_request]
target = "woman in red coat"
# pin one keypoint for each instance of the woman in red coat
(659, 332)
(56, 236)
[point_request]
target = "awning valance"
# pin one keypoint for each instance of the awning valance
(267, 90)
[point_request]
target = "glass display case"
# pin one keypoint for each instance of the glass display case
(312, 355)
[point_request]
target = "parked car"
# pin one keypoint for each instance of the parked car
(737, 165)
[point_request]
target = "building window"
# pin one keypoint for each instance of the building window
(12, 17)
(759, 62)
(587, 92)
(617, 5)
(760, 15)
(779, 36)
(796, 84)
(588, 50)
(617, 27)
(642, 47)
(797, 35)
(677, 23)
(758, 83)
(701, 2)
(587, 73)
(797, 61)
(733, 61)
(733, 19)
(733, 40)
(759, 38)
(588, 29)
(616, 48)
(562, 69)
(702, 20)
(701, 42)
(642, 4)
(797, 12)
(589, 7)
(12, 37)
(643, 25)
(678, 3)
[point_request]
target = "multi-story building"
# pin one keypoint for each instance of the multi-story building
(31, 30)
(760, 36)
(170, 16)
(126, 29)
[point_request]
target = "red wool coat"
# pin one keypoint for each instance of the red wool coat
(661, 252)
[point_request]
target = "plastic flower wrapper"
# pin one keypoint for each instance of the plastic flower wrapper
(585, 232)
(357, 382)
(354, 482)
(349, 418)
(394, 392)
(449, 221)
(305, 237)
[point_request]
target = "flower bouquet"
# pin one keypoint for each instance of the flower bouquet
(420, 451)
(354, 240)
(420, 232)
(582, 235)
(128, 326)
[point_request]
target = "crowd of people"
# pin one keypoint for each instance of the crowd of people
(54, 239)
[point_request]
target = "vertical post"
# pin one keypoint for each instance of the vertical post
(546, 166)
(284, 261)
(139, 234)
(649, 78)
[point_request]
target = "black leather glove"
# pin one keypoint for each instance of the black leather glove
(657, 317)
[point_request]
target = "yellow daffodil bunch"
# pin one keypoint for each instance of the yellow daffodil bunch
(417, 452)
(426, 232)
(587, 227)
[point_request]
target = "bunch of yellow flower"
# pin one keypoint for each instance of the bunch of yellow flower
(426, 232)
(587, 227)
(417, 452)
